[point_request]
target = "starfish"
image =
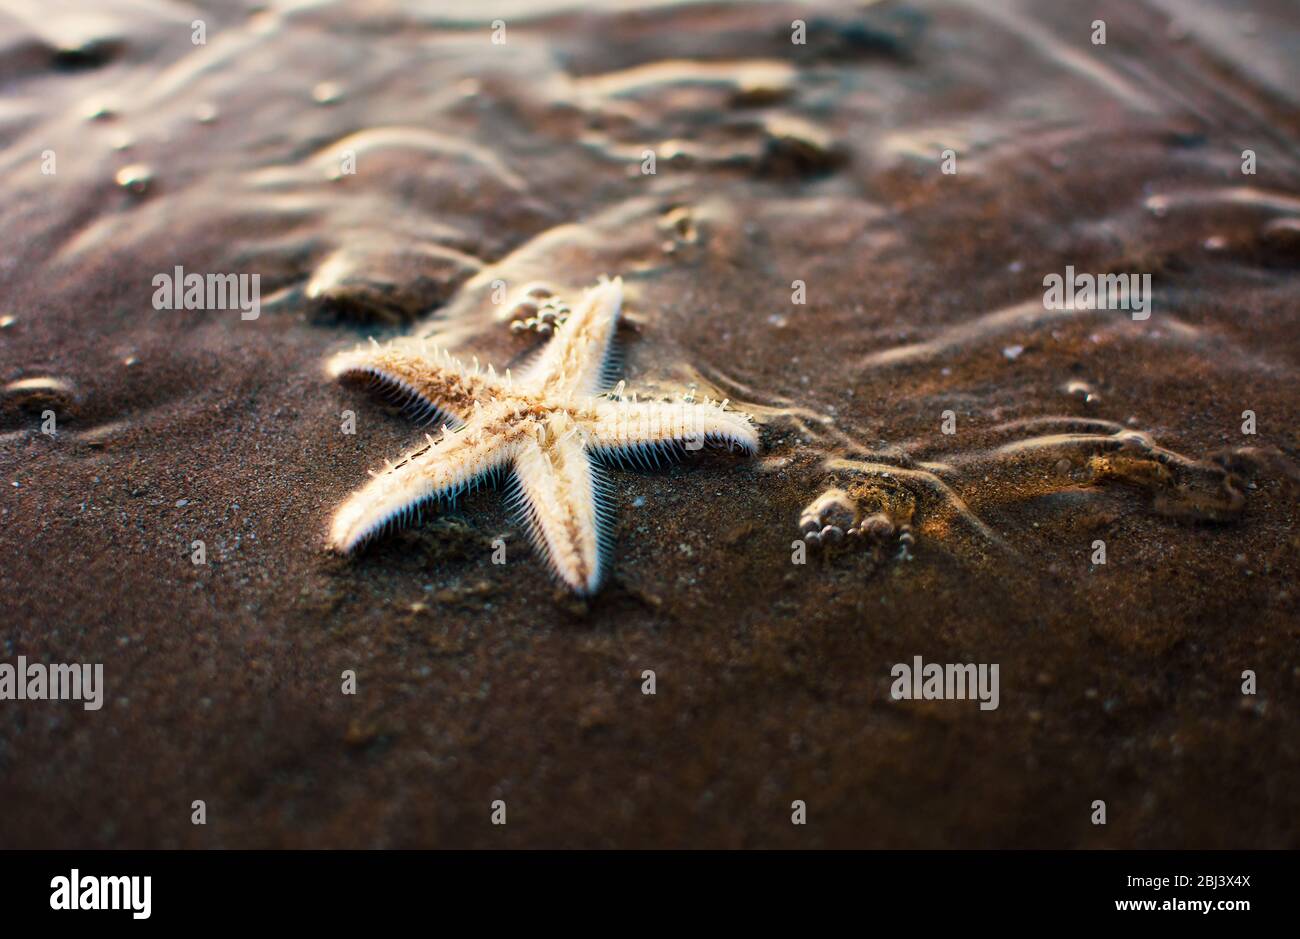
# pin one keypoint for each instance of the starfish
(550, 425)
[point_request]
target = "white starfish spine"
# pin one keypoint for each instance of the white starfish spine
(545, 426)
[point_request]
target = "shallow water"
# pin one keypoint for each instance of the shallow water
(481, 164)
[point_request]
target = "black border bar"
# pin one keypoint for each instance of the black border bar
(331, 889)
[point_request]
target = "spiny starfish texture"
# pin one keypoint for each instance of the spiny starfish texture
(544, 424)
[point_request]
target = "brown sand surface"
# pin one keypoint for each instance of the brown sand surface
(776, 162)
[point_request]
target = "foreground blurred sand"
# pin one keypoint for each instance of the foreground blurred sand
(775, 162)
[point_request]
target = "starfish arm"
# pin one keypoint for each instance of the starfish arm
(643, 431)
(573, 362)
(426, 381)
(560, 494)
(442, 470)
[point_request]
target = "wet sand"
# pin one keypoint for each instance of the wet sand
(774, 163)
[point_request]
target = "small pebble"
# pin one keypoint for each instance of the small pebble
(327, 93)
(100, 111)
(877, 526)
(34, 395)
(136, 178)
(1081, 389)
